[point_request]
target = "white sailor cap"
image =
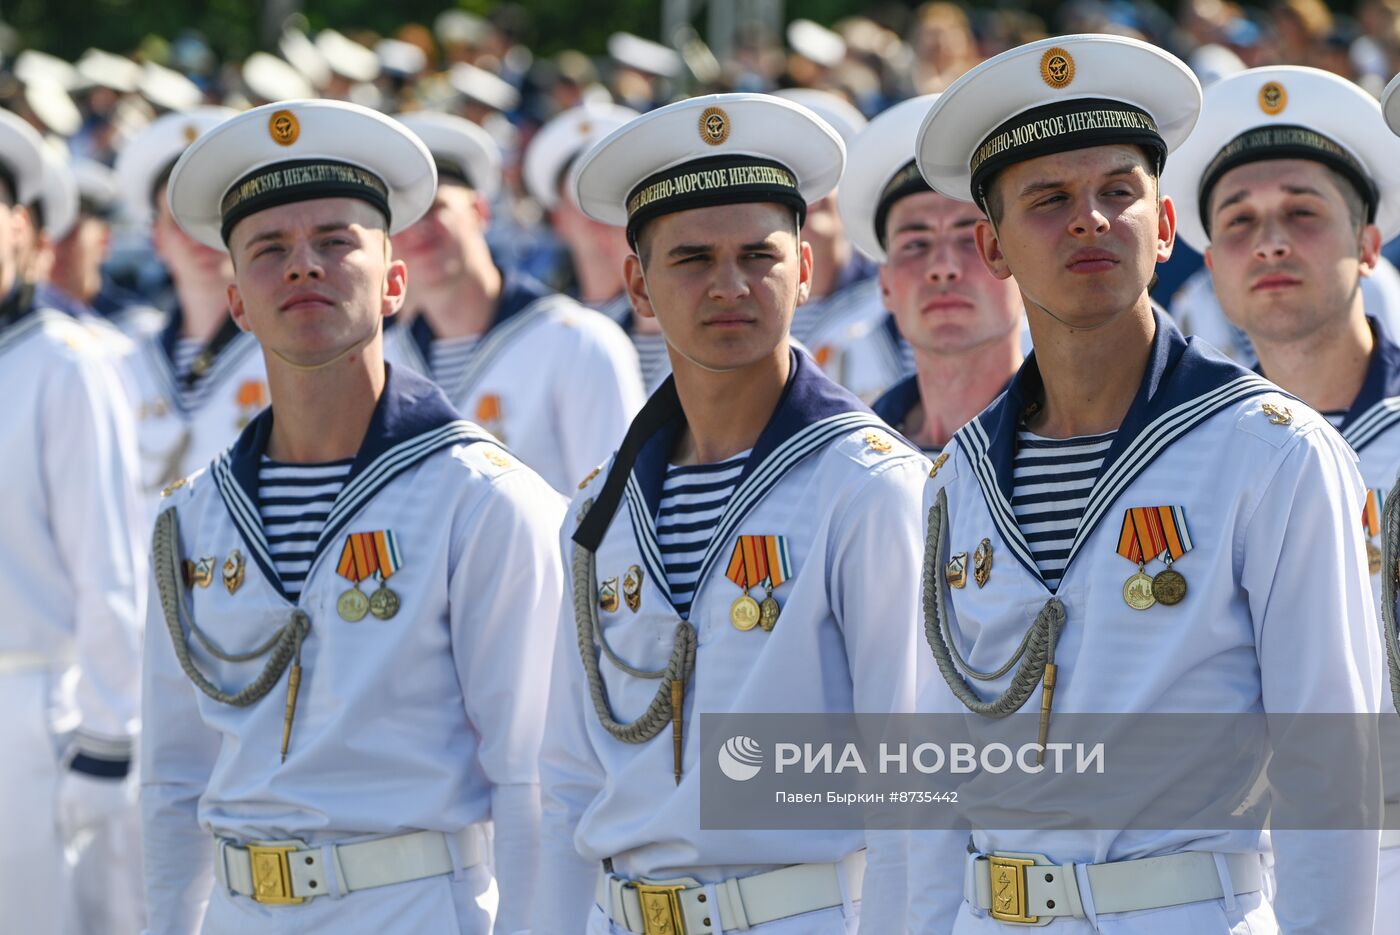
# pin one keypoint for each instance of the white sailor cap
(31, 65)
(482, 86)
(559, 142)
(147, 158)
(880, 170)
(271, 79)
(400, 58)
(815, 42)
(704, 151)
(169, 89)
(297, 151)
(462, 151)
(58, 195)
(21, 158)
(53, 106)
(347, 57)
(1285, 112)
(643, 55)
(1054, 96)
(843, 116)
(109, 71)
(458, 27)
(303, 55)
(1390, 103)
(97, 186)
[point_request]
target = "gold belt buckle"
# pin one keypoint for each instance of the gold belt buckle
(1009, 890)
(272, 874)
(661, 908)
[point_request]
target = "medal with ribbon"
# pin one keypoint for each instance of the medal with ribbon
(758, 560)
(1371, 523)
(366, 555)
(1151, 533)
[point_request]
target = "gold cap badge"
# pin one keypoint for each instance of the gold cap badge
(1057, 67)
(1272, 98)
(284, 127)
(714, 125)
(191, 131)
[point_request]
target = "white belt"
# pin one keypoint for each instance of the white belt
(681, 906)
(14, 663)
(1031, 890)
(288, 872)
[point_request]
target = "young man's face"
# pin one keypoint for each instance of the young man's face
(77, 264)
(437, 245)
(723, 282)
(1286, 253)
(313, 278)
(1081, 231)
(186, 258)
(942, 295)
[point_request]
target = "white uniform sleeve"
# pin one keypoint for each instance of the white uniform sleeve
(1305, 574)
(592, 412)
(571, 778)
(90, 469)
(177, 756)
(880, 528)
(504, 602)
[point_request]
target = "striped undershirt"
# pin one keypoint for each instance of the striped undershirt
(693, 498)
(656, 363)
(448, 357)
(294, 501)
(1052, 481)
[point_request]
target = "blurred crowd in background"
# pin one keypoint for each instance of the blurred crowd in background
(483, 68)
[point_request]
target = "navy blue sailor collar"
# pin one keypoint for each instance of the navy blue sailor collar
(411, 420)
(169, 336)
(809, 398)
(1377, 407)
(518, 292)
(1185, 382)
(895, 404)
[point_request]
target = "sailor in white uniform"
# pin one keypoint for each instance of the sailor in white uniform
(597, 251)
(72, 579)
(346, 668)
(199, 380)
(726, 551)
(963, 323)
(555, 381)
(1229, 508)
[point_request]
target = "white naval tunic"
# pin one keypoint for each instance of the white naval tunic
(851, 335)
(555, 381)
(652, 355)
(184, 423)
(1277, 619)
(429, 720)
(72, 582)
(828, 476)
(1372, 428)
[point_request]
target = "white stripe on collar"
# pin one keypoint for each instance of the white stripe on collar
(1372, 423)
(1132, 461)
(496, 340)
(229, 358)
(746, 496)
(352, 498)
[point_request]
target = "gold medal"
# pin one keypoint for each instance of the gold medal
(1169, 587)
(768, 612)
(384, 603)
(233, 571)
(1137, 591)
(352, 605)
(1373, 557)
(744, 613)
(957, 571)
(982, 563)
(632, 588)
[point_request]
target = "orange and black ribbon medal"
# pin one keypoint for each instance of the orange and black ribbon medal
(1152, 533)
(758, 560)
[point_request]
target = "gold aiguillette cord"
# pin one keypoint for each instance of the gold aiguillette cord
(293, 686)
(1047, 697)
